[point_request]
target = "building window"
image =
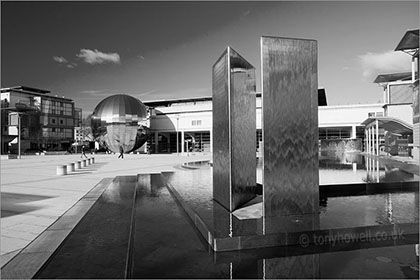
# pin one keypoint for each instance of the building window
(196, 122)
(375, 114)
(334, 133)
(68, 109)
(259, 139)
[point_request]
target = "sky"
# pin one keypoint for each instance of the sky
(87, 51)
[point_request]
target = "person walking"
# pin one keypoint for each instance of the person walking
(121, 153)
(83, 152)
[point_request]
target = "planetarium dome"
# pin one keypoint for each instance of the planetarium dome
(119, 121)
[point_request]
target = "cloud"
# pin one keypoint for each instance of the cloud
(246, 13)
(147, 92)
(92, 91)
(60, 59)
(386, 62)
(98, 93)
(98, 57)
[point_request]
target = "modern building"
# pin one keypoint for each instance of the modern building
(409, 44)
(184, 125)
(46, 122)
(398, 131)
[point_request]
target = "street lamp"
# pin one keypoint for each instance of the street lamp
(177, 141)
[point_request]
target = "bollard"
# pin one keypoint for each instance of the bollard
(70, 167)
(89, 161)
(83, 163)
(61, 170)
(78, 164)
(93, 160)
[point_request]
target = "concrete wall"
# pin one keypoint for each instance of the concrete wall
(346, 115)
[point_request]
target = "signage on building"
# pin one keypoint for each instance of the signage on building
(13, 119)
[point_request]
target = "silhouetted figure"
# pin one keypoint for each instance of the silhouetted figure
(83, 152)
(121, 152)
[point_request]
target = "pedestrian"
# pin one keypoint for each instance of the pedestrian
(83, 152)
(121, 153)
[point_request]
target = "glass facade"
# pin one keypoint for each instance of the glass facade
(52, 107)
(49, 126)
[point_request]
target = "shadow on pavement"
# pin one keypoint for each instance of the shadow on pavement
(14, 203)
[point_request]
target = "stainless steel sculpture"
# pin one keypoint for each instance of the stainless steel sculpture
(290, 134)
(119, 121)
(234, 130)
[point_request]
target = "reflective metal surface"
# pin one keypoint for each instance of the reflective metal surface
(119, 121)
(290, 131)
(234, 126)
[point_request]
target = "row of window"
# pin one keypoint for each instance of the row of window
(375, 114)
(57, 132)
(196, 122)
(44, 120)
(57, 108)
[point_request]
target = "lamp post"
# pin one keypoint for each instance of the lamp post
(177, 141)
(19, 134)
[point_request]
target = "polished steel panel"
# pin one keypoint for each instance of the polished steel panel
(221, 135)
(234, 126)
(290, 130)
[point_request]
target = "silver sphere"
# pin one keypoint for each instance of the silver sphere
(120, 121)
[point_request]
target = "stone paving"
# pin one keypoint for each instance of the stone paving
(33, 197)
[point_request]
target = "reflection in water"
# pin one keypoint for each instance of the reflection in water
(295, 267)
(343, 168)
(339, 210)
(364, 210)
(378, 172)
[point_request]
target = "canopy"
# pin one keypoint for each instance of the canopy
(390, 124)
(409, 41)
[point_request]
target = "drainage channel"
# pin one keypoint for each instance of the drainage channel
(97, 246)
(134, 230)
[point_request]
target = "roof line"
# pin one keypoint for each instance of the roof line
(401, 122)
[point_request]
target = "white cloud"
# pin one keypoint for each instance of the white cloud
(147, 92)
(64, 61)
(60, 59)
(98, 57)
(387, 62)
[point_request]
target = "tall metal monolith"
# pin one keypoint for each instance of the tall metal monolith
(290, 134)
(234, 130)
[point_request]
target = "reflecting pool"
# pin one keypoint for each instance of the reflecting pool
(359, 197)
(139, 229)
(195, 186)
